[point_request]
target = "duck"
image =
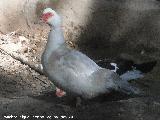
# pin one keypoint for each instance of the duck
(74, 72)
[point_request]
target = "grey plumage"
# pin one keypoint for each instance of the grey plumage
(75, 72)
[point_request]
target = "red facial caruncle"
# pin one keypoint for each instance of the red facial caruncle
(46, 16)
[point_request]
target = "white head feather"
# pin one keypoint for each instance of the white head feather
(54, 20)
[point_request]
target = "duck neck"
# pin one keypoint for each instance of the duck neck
(55, 39)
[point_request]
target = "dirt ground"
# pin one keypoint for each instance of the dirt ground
(25, 93)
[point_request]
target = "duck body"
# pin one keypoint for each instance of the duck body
(73, 71)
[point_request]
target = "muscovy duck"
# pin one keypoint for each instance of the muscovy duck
(73, 71)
